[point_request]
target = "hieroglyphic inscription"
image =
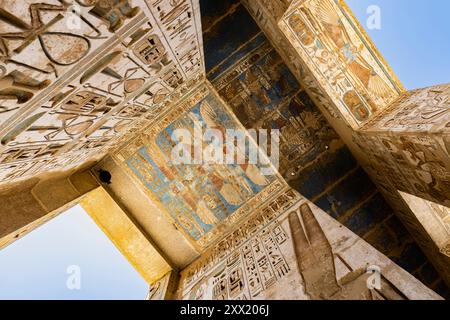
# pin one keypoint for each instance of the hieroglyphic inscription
(79, 75)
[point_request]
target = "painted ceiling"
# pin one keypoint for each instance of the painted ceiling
(203, 200)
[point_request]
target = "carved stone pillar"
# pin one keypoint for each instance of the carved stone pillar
(400, 138)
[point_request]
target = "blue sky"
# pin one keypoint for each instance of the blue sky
(414, 39)
(35, 266)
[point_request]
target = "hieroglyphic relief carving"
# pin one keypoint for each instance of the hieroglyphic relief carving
(68, 119)
(341, 57)
(113, 12)
(421, 110)
(414, 164)
(269, 24)
(180, 22)
(246, 274)
(405, 150)
(48, 43)
(331, 56)
(291, 255)
(70, 69)
(407, 143)
(251, 227)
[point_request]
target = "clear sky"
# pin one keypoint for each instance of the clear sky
(35, 266)
(415, 40)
